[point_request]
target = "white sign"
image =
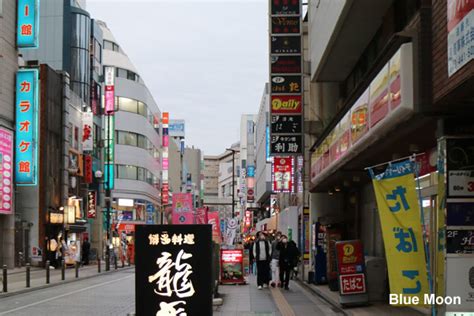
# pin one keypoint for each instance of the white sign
(460, 282)
(460, 42)
(87, 131)
(109, 76)
(461, 183)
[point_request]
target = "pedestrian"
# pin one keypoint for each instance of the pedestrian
(288, 260)
(86, 248)
(262, 255)
(275, 264)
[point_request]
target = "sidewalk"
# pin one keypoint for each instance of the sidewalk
(17, 277)
(378, 308)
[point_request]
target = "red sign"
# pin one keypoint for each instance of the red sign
(286, 104)
(426, 163)
(248, 219)
(213, 219)
(88, 169)
(91, 204)
(457, 10)
(232, 266)
(352, 283)
(282, 174)
(201, 215)
(164, 194)
(350, 267)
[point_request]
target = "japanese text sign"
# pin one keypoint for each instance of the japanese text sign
(6, 166)
(460, 29)
(27, 23)
(213, 219)
(286, 144)
(285, 7)
(87, 131)
(91, 204)
(282, 174)
(26, 127)
(109, 90)
(286, 25)
(183, 208)
(232, 269)
(172, 275)
(399, 211)
(350, 267)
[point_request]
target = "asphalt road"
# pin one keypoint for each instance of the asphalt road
(110, 294)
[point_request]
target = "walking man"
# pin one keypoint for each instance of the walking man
(275, 261)
(288, 257)
(86, 248)
(262, 255)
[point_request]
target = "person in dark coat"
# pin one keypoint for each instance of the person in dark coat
(262, 255)
(86, 248)
(288, 259)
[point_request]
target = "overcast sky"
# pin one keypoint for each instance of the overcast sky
(203, 61)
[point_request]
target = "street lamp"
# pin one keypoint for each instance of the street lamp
(233, 179)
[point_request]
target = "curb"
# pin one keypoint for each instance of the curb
(45, 286)
(326, 298)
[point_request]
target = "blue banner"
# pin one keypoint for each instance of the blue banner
(27, 23)
(26, 108)
(109, 172)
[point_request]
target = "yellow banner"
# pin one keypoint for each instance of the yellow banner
(400, 218)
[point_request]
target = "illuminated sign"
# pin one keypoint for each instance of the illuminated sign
(286, 104)
(87, 131)
(91, 204)
(109, 74)
(282, 174)
(287, 124)
(232, 270)
(285, 45)
(285, 7)
(165, 120)
(176, 128)
(286, 84)
(6, 171)
(286, 25)
(27, 24)
(109, 152)
(286, 144)
(172, 274)
(285, 64)
(88, 169)
(26, 127)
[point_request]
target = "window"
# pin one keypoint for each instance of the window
(142, 174)
(142, 141)
(111, 46)
(126, 104)
(142, 109)
(127, 172)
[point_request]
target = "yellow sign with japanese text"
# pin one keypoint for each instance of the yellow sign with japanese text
(400, 218)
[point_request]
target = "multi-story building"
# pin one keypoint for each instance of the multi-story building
(8, 68)
(211, 179)
(192, 174)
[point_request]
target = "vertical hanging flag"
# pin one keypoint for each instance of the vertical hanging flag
(400, 218)
(27, 24)
(26, 126)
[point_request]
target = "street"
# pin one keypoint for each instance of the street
(110, 294)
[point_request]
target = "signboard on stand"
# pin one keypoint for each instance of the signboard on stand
(172, 274)
(232, 266)
(351, 272)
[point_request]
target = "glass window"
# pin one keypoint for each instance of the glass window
(142, 174)
(120, 72)
(127, 172)
(108, 45)
(142, 109)
(142, 141)
(131, 75)
(126, 104)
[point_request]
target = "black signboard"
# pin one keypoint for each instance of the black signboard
(172, 273)
(286, 25)
(460, 154)
(286, 144)
(281, 7)
(285, 44)
(460, 214)
(459, 241)
(286, 124)
(286, 64)
(286, 84)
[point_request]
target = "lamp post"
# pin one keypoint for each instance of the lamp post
(233, 179)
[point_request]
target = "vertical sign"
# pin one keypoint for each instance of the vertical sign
(109, 73)
(399, 212)
(172, 275)
(26, 127)
(460, 30)
(87, 131)
(6, 170)
(282, 174)
(165, 162)
(27, 24)
(91, 204)
(213, 219)
(87, 168)
(182, 208)
(351, 269)
(109, 151)
(286, 105)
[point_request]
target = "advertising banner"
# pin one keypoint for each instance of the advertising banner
(26, 150)
(88, 169)
(201, 215)
(285, 7)
(172, 274)
(109, 95)
(285, 64)
(183, 208)
(87, 131)
(399, 211)
(286, 25)
(282, 174)
(213, 219)
(232, 266)
(351, 267)
(285, 104)
(176, 128)
(285, 45)
(460, 29)
(286, 124)
(27, 23)
(91, 204)
(286, 144)
(286, 84)
(6, 171)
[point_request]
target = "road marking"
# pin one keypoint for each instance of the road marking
(281, 303)
(63, 295)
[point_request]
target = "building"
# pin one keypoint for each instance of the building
(192, 173)
(137, 152)
(176, 131)
(211, 179)
(9, 221)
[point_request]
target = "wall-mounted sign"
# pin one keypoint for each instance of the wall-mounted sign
(285, 64)
(286, 84)
(286, 124)
(285, 45)
(282, 174)
(460, 13)
(91, 204)
(6, 171)
(285, 25)
(176, 128)
(183, 209)
(27, 23)
(88, 169)
(172, 275)
(285, 7)
(87, 131)
(109, 95)
(26, 127)
(286, 104)
(165, 120)
(286, 145)
(459, 213)
(460, 241)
